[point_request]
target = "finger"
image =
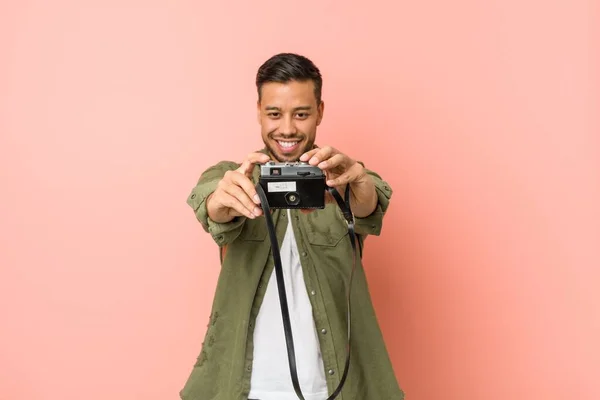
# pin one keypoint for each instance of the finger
(252, 159)
(242, 200)
(247, 185)
(243, 168)
(322, 155)
(246, 168)
(353, 173)
(343, 179)
(229, 201)
(336, 160)
(258, 158)
(306, 156)
(307, 210)
(245, 192)
(236, 206)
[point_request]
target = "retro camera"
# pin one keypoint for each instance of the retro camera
(293, 185)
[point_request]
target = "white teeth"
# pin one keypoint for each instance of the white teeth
(287, 144)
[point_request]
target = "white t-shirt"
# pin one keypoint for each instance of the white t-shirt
(271, 378)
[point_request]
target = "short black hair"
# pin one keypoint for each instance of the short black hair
(286, 67)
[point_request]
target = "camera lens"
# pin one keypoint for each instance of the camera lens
(292, 198)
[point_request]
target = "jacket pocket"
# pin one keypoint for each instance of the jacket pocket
(326, 227)
(254, 230)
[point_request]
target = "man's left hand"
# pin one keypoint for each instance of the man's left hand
(342, 170)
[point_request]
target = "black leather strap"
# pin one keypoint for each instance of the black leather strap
(347, 213)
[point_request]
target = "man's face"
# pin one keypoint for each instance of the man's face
(289, 115)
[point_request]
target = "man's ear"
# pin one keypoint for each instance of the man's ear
(320, 111)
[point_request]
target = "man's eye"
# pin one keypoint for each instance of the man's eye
(273, 114)
(302, 115)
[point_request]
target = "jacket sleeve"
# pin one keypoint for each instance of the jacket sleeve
(372, 224)
(222, 233)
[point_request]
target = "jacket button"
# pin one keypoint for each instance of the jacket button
(303, 254)
(331, 372)
(323, 331)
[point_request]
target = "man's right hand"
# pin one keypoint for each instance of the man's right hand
(235, 194)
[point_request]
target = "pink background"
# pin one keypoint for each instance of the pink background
(483, 115)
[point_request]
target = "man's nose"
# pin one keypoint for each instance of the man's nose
(287, 126)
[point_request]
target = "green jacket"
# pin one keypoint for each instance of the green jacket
(224, 366)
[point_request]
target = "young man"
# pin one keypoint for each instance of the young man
(244, 354)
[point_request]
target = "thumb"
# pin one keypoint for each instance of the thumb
(246, 168)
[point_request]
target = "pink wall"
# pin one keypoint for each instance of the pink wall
(482, 115)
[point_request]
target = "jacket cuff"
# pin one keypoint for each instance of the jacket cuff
(222, 233)
(373, 223)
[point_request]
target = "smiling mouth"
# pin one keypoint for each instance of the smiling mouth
(288, 145)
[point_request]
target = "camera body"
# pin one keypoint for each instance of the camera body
(293, 185)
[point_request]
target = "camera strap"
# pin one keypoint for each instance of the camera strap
(349, 217)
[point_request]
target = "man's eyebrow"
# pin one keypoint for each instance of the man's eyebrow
(300, 108)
